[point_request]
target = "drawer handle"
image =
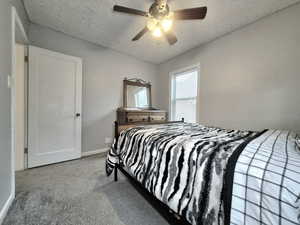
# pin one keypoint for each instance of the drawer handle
(158, 118)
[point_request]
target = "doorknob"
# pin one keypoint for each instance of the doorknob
(77, 114)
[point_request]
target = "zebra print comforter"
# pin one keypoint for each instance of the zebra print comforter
(186, 166)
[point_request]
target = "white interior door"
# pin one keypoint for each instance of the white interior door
(54, 107)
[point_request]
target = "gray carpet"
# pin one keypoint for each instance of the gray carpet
(78, 193)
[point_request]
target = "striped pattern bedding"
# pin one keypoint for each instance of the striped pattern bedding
(183, 165)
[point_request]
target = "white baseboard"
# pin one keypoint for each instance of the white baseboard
(94, 152)
(6, 207)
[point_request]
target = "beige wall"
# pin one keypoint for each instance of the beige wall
(250, 78)
(103, 74)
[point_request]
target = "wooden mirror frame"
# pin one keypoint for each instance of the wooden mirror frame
(139, 83)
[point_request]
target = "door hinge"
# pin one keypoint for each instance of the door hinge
(26, 58)
(26, 150)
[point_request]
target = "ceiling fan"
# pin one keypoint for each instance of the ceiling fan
(160, 18)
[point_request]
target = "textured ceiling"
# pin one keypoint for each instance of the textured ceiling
(94, 21)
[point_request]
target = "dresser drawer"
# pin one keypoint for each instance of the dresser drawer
(141, 116)
(137, 117)
(158, 117)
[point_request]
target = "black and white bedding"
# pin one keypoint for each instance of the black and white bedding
(211, 175)
(266, 187)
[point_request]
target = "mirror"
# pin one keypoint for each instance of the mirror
(137, 97)
(137, 94)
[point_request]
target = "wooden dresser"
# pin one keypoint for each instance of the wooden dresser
(137, 105)
(140, 116)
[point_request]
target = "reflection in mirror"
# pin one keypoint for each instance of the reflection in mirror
(137, 97)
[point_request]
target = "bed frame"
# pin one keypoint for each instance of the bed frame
(164, 210)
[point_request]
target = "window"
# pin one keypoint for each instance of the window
(184, 92)
(141, 99)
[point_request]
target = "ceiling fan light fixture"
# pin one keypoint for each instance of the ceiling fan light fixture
(160, 18)
(166, 24)
(157, 32)
(152, 24)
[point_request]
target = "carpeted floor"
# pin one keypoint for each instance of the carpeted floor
(78, 193)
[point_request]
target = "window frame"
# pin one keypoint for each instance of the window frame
(172, 89)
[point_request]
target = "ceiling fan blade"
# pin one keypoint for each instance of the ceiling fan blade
(123, 9)
(172, 39)
(190, 14)
(140, 34)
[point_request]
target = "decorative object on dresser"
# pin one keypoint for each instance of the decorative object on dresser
(137, 104)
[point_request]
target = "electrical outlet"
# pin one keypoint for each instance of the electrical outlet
(108, 140)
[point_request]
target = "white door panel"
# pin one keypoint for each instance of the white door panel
(55, 82)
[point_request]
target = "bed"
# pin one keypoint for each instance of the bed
(209, 175)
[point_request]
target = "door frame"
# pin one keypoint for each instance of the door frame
(21, 107)
(16, 25)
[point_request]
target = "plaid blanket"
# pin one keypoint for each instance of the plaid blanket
(266, 188)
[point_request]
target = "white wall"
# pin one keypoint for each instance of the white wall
(5, 70)
(103, 73)
(18, 4)
(250, 78)
(5, 100)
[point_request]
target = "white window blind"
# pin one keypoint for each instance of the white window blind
(184, 95)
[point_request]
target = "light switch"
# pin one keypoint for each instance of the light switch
(9, 81)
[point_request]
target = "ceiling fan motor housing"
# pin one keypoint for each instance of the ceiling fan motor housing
(159, 11)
